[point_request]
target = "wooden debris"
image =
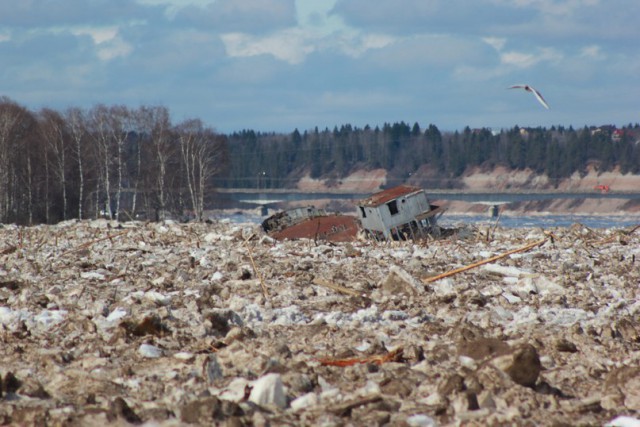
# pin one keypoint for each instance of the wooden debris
(8, 250)
(337, 288)
(92, 242)
(492, 230)
(392, 356)
(12, 285)
(486, 261)
(637, 227)
(345, 409)
(255, 270)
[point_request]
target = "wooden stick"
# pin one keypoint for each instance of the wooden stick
(255, 270)
(8, 250)
(493, 229)
(344, 409)
(637, 227)
(486, 261)
(86, 245)
(337, 288)
(378, 359)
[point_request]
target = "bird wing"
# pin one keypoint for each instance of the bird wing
(537, 94)
(540, 98)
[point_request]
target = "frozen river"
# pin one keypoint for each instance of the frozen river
(505, 221)
(270, 198)
(544, 221)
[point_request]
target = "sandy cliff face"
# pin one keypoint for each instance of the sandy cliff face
(361, 181)
(498, 179)
(503, 179)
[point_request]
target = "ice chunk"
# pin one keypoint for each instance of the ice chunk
(49, 318)
(157, 298)
(9, 317)
(269, 391)
(421, 420)
(92, 275)
(150, 351)
(506, 270)
(512, 299)
(623, 421)
(117, 314)
(288, 316)
(305, 401)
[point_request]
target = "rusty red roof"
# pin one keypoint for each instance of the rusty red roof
(388, 195)
(334, 228)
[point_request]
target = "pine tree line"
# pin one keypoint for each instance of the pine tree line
(269, 160)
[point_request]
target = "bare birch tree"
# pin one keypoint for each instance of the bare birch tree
(77, 128)
(9, 117)
(201, 151)
(28, 171)
(137, 121)
(13, 129)
(53, 133)
(156, 123)
(119, 125)
(99, 119)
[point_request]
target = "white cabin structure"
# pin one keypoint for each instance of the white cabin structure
(399, 213)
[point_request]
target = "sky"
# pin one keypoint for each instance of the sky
(280, 65)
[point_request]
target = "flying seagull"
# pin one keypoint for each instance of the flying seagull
(533, 91)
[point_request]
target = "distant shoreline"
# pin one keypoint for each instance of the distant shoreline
(470, 191)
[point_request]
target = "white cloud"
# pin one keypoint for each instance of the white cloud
(107, 40)
(470, 73)
(114, 48)
(356, 45)
(495, 42)
(522, 59)
(527, 60)
(316, 30)
(175, 3)
(316, 15)
(592, 51)
(518, 59)
(173, 6)
(294, 44)
(289, 46)
(98, 35)
(551, 7)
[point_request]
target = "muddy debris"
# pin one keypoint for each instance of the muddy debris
(170, 324)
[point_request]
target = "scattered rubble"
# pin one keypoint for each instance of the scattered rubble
(106, 323)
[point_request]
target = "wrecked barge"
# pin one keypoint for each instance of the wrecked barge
(399, 213)
(312, 223)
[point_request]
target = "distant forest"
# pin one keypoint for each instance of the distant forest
(270, 160)
(124, 163)
(108, 161)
